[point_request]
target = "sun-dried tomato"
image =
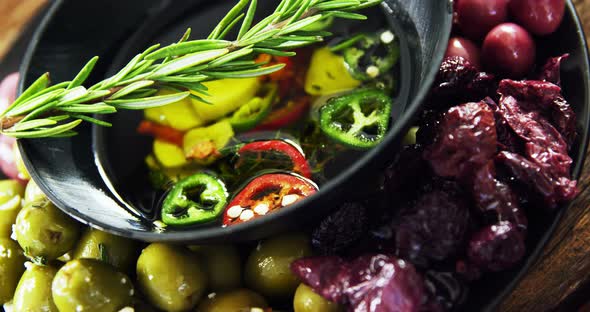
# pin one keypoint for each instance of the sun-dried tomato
(553, 190)
(445, 291)
(434, 225)
(407, 173)
(544, 145)
(341, 230)
(507, 139)
(376, 283)
(546, 98)
(551, 71)
(465, 140)
(495, 199)
(458, 82)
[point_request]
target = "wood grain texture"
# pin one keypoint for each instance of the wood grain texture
(14, 15)
(563, 271)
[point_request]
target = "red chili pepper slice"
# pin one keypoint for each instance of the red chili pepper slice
(163, 133)
(265, 194)
(287, 115)
(300, 164)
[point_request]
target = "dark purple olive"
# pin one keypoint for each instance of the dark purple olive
(477, 17)
(508, 50)
(540, 17)
(465, 48)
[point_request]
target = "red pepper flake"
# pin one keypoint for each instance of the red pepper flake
(161, 132)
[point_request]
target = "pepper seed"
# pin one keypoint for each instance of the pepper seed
(372, 71)
(261, 209)
(387, 37)
(246, 215)
(289, 199)
(234, 211)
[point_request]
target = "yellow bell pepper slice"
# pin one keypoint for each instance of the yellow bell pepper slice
(328, 74)
(179, 115)
(225, 96)
(203, 144)
(169, 155)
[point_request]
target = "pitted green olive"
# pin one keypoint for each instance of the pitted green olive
(12, 266)
(171, 277)
(11, 194)
(33, 292)
(91, 285)
(306, 300)
(268, 267)
(115, 250)
(237, 300)
(9, 189)
(222, 265)
(43, 231)
(8, 212)
(33, 194)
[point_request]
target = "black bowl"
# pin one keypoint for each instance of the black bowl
(66, 170)
(89, 175)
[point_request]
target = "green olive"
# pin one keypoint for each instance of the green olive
(33, 292)
(268, 266)
(91, 285)
(237, 300)
(12, 266)
(11, 194)
(222, 265)
(33, 194)
(23, 173)
(9, 189)
(8, 212)
(115, 250)
(42, 230)
(306, 300)
(171, 277)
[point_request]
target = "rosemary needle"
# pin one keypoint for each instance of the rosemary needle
(186, 63)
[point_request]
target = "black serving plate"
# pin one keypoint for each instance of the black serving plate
(67, 169)
(91, 176)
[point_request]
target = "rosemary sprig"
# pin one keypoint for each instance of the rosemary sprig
(53, 111)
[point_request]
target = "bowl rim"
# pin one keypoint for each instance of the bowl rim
(215, 233)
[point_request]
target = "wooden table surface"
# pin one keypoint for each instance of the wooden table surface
(560, 279)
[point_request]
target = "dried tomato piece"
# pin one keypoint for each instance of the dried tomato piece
(445, 291)
(496, 198)
(551, 71)
(507, 139)
(545, 97)
(465, 141)
(376, 283)
(428, 123)
(497, 247)
(327, 275)
(435, 225)
(458, 81)
(342, 229)
(553, 190)
(544, 144)
(407, 173)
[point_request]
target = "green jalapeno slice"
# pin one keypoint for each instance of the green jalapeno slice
(359, 119)
(199, 198)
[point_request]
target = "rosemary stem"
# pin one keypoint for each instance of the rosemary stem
(8, 122)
